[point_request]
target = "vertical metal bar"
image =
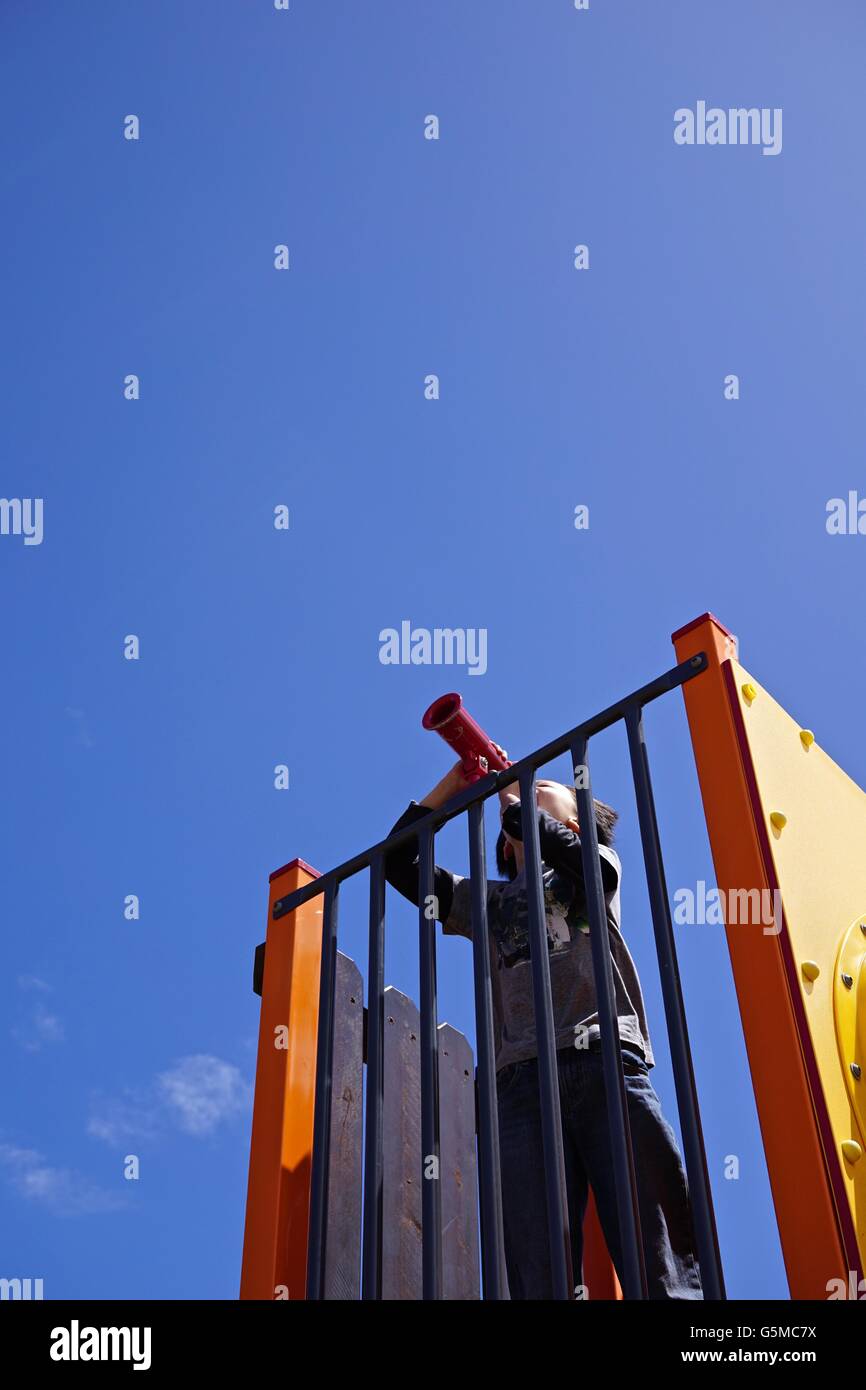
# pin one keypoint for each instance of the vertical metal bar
(374, 1133)
(548, 1075)
(634, 1283)
(489, 1180)
(431, 1191)
(322, 1109)
(712, 1277)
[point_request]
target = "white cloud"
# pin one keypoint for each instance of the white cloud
(202, 1091)
(33, 982)
(62, 1191)
(195, 1095)
(117, 1119)
(41, 1027)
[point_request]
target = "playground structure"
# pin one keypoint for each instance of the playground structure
(349, 1199)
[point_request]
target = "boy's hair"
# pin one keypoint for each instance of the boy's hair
(605, 821)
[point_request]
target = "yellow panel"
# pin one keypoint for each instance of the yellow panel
(815, 819)
(849, 985)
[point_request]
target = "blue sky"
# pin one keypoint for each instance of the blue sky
(306, 388)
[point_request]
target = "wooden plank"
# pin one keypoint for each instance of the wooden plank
(343, 1248)
(401, 1197)
(458, 1169)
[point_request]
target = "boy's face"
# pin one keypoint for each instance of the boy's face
(557, 801)
(551, 797)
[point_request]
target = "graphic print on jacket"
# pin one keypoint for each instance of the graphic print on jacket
(510, 925)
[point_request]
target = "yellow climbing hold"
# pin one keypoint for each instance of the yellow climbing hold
(852, 1150)
(749, 691)
(778, 820)
(807, 738)
(811, 969)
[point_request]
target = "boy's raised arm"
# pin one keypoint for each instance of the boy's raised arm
(401, 865)
(560, 847)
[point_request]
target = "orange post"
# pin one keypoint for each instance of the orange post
(599, 1273)
(816, 1245)
(281, 1147)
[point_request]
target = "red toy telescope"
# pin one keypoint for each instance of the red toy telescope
(449, 718)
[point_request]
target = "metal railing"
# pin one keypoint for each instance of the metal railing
(630, 711)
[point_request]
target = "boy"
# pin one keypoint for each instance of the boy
(666, 1228)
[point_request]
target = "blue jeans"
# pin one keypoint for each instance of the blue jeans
(665, 1216)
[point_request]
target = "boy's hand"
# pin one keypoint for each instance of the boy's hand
(507, 798)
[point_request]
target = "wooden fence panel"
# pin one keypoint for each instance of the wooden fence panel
(401, 1214)
(458, 1170)
(401, 1198)
(345, 1166)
